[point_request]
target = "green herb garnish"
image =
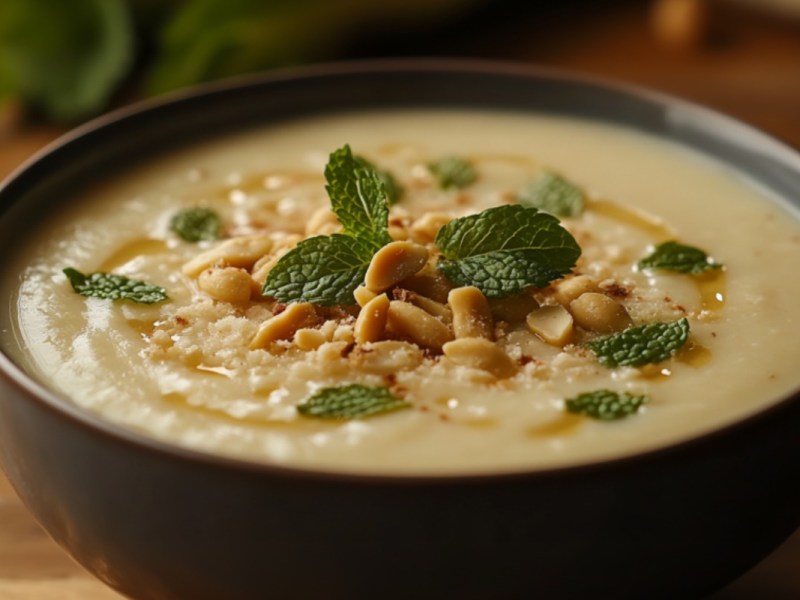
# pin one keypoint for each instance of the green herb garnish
(506, 249)
(394, 191)
(358, 198)
(351, 402)
(672, 256)
(327, 269)
(605, 405)
(641, 345)
(552, 193)
(115, 287)
(453, 171)
(196, 224)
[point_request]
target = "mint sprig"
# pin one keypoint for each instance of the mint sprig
(394, 190)
(506, 249)
(114, 287)
(323, 269)
(358, 198)
(605, 405)
(351, 402)
(672, 256)
(196, 224)
(453, 171)
(641, 345)
(552, 193)
(327, 269)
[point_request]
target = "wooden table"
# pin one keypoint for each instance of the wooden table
(755, 76)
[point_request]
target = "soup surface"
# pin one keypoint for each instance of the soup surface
(203, 370)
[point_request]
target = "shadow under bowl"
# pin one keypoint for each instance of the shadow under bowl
(157, 521)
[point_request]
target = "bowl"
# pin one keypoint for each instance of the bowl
(159, 521)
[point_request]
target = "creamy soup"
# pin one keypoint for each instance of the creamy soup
(220, 368)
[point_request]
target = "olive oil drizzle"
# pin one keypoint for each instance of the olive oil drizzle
(131, 251)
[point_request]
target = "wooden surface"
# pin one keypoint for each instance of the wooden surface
(753, 73)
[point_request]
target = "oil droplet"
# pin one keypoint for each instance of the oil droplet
(180, 400)
(655, 373)
(132, 250)
(279, 179)
(563, 425)
(693, 354)
(711, 286)
(143, 326)
(633, 217)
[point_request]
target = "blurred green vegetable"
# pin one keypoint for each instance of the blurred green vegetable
(67, 57)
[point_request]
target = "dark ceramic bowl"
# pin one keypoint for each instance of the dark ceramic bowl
(156, 521)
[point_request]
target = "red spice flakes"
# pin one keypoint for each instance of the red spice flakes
(182, 321)
(348, 349)
(616, 290)
(278, 308)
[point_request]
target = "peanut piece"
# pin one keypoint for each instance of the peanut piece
(322, 222)
(514, 308)
(386, 357)
(569, 289)
(228, 284)
(371, 320)
(394, 262)
(480, 353)
(430, 283)
(241, 252)
(284, 325)
(471, 314)
(425, 228)
(363, 295)
(597, 312)
(309, 339)
(551, 323)
(409, 321)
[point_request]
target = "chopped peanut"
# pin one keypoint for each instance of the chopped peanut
(598, 312)
(569, 289)
(228, 284)
(394, 262)
(471, 314)
(241, 252)
(284, 325)
(309, 339)
(386, 357)
(480, 353)
(551, 323)
(513, 309)
(425, 228)
(371, 320)
(363, 295)
(409, 321)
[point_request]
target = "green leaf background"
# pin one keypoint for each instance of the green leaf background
(67, 58)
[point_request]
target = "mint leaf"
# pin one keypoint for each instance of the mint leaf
(394, 191)
(323, 269)
(196, 224)
(641, 345)
(605, 405)
(672, 256)
(505, 249)
(453, 171)
(114, 287)
(351, 402)
(358, 198)
(553, 194)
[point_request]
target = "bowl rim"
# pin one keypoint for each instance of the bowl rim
(115, 433)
